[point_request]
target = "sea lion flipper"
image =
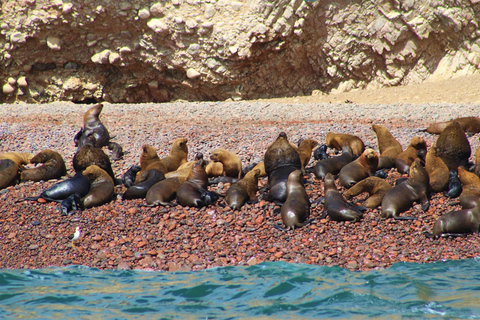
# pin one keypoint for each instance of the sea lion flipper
(76, 138)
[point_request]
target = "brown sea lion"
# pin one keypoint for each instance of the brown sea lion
(338, 140)
(357, 170)
(260, 166)
(8, 173)
(20, 158)
(405, 158)
(453, 147)
(101, 189)
(146, 180)
(214, 169)
(470, 125)
(88, 154)
(437, 170)
(164, 191)
(280, 160)
(457, 223)
(190, 194)
(304, 151)
(53, 167)
(178, 155)
(374, 186)
(334, 164)
(149, 160)
(477, 162)
(232, 165)
(296, 208)
(470, 196)
(336, 206)
(388, 146)
(244, 190)
(402, 197)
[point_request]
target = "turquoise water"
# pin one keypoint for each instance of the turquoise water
(278, 290)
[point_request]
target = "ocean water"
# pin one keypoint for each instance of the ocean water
(272, 290)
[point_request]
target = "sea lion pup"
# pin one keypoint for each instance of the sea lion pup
(452, 146)
(357, 170)
(402, 197)
(280, 160)
(336, 207)
(388, 146)
(244, 190)
(321, 152)
(470, 125)
(437, 170)
(304, 151)
(88, 154)
(405, 158)
(178, 155)
(192, 192)
(102, 187)
(232, 165)
(374, 186)
(296, 208)
(334, 164)
(8, 173)
(53, 167)
(454, 185)
(130, 176)
(149, 160)
(339, 140)
(146, 180)
(214, 169)
(77, 185)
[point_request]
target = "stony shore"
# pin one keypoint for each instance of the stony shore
(123, 234)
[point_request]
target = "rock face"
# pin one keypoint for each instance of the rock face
(147, 51)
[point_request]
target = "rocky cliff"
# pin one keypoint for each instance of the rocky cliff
(142, 51)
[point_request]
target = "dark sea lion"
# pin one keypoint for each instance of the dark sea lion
(244, 190)
(334, 164)
(78, 184)
(456, 223)
(8, 173)
(130, 176)
(359, 169)
(53, 167)
(336, 206)
(231, 163)
(191, 193)
(146, 180)
(374, 186)
(338, 140)
(453, 147)
(454, 185)
(296, 208)
(437, 170)
(470, 125)
(93, 126)
(178, 155)
(402, 197)
(280, 160)
(101, 189)
(149, 160)
(304, 151)
(405, 158)
(321, 152)
(88, 154)
(388, 146)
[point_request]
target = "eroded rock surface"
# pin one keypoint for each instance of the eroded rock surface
(154, 51)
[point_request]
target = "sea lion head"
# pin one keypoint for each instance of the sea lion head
(93, 112)
(369, 159)
(217, 154)
(43, 156)
(468, 179)
(418, 173)
(94, 172)
(148, 153)
(418, 143)
(308, 143)
(180, 144)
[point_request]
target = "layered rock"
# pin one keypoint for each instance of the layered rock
(142, 51)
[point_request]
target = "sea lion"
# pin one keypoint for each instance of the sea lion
(296, 208)
(437, 170)
(260, 166)
(178, 155)
(20, 158)
(242, 191)
(456, 223)
(130, 176)
(402, 197)
(149, 160)
(191, 193)
(453, 147)
(8, 173)
(53, 167)
(78, 184)
(333, 164)
(338, 140)
(388, 146)
(336, 206)
(470, 196)
(88, 154)
(304, 151)
(470, 125)
(405, 158)
(214, 169)
(101, 189)
(164, 191)
(454, 185)
(280, 160)
(146, 180)
(321, 152)
(374, 186)
(232, 165)
(364, 166)
(477, 162)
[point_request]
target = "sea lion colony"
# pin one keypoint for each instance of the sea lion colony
(157, 180)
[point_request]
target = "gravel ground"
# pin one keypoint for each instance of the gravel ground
(123, 234)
